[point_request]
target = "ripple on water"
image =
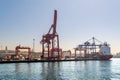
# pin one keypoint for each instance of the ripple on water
(75, 70)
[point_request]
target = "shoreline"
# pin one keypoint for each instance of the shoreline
(33, 61)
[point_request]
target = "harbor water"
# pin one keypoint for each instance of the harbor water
(70, 70)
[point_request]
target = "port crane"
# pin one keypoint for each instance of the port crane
(21, 47)
(50, 42)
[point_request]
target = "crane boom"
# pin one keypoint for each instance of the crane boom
(55, 22)
(53, 26)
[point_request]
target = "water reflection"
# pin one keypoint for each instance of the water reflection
(97, 70)
(80, 70)
(23, 71)
(50, 71)
(105, 70)
(76, 70)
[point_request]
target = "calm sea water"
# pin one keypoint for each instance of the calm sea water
(74, 70)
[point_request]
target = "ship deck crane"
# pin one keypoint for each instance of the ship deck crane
(50, 42)
(87, 46)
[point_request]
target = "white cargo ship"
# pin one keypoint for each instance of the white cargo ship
(94, 49)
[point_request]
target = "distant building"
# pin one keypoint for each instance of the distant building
(6, 48)
(117, 55)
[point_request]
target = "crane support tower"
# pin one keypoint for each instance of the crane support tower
(50, 43)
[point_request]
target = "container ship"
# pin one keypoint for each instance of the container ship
(94, 49)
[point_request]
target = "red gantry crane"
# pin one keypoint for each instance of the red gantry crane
(19, 47)
(50, 43)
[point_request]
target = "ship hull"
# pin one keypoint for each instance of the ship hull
(105, 57)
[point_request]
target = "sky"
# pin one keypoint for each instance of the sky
(21, 21)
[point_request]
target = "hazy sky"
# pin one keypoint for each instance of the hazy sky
(78, 20)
